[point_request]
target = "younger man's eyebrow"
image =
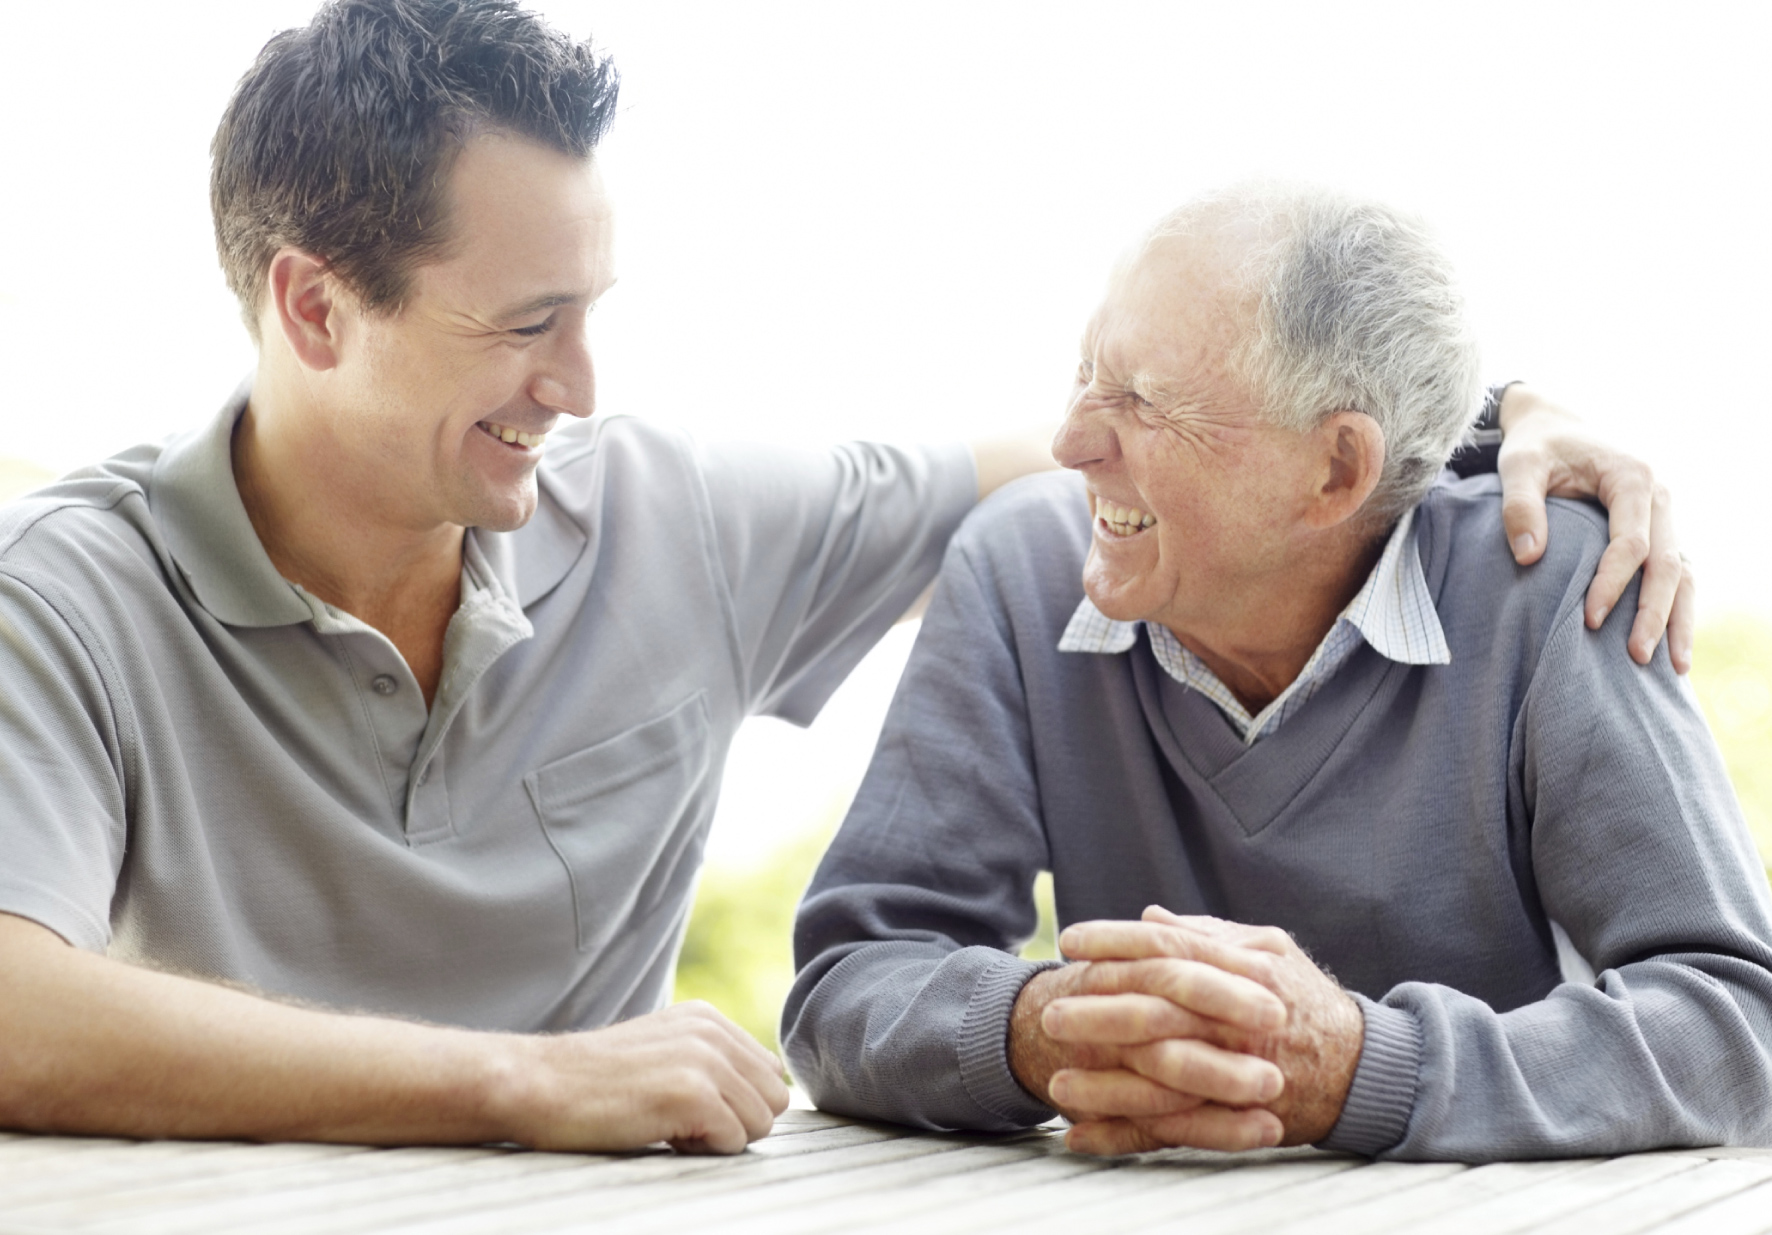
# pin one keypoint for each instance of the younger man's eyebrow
(552, 300)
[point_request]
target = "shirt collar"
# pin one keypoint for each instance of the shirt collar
(197, 507)
(1393, 611)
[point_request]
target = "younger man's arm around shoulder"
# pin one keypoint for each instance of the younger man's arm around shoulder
(93, 1046)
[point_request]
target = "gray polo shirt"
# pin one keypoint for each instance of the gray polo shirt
(205, 768)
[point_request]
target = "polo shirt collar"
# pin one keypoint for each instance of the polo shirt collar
(197, 507)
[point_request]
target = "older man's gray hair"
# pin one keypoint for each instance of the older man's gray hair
(1358, 310)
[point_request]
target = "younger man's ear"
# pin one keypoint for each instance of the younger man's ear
(304, 307)
(1353, 456)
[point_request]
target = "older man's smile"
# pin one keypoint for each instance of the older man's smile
(1121, 521)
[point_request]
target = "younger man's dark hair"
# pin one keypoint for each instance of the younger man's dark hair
(340, 138)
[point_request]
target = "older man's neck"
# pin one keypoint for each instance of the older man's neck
(1261, 640)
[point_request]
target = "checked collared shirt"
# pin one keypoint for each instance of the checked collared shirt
(1393, 611)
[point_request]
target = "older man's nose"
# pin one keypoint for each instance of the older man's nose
(1083, 437)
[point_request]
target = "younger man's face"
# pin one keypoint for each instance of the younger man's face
(455, 392)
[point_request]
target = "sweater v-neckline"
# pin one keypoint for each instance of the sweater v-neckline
(1256, 783)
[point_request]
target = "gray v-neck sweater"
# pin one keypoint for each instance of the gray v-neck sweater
(1417, 828)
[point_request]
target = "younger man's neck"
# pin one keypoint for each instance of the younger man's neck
(319, 522)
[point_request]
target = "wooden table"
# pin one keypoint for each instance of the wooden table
(820, 1173)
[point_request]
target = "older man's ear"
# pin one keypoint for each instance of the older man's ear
(1350, 454)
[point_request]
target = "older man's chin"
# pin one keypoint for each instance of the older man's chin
(1119, 601)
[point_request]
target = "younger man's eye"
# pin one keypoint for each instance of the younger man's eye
(529, 332)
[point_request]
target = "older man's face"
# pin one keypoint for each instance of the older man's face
(1195, 497)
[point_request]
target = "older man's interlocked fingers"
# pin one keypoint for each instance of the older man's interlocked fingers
(1316, 1046)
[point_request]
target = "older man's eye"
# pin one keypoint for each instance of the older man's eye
(1085, 372)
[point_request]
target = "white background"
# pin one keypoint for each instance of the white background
(891, 220)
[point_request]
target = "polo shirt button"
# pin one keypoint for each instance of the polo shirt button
(384, 684)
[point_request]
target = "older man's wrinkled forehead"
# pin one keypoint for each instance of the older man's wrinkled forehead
(1180, 300)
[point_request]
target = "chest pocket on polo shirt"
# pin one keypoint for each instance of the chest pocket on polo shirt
(624, 815)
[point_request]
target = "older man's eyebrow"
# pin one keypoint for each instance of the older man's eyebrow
(1152, 390)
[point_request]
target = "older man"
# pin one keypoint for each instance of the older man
(1253, 676)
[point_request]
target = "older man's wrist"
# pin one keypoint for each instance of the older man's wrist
(1382, 1096)
(1031, 1055)
(987, 1047)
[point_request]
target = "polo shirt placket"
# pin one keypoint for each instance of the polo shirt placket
(410, 739)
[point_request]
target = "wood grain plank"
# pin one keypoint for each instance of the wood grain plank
(1128, 1196)
(543, 1204)
(115, 1171)
(1644, 1209)
(1194, 1198)
(1320, 1197)
(62, 1158)
(1083, 1195)
(252, 1186)
(376, 1200)
(861, 1201)
(1411, 1207)
(1745, 1213)
(1566, 1194)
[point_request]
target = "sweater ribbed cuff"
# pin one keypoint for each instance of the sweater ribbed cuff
(984, 1043)
(1382, 1096)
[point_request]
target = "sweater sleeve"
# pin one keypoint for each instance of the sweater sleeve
(1639, 850)
(905, 942)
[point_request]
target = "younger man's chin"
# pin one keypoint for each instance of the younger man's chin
(506, 514)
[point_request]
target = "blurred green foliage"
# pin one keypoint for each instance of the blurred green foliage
(1732, 675)
(739, 954)
(17, 477)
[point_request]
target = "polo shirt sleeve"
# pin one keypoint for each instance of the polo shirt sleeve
(1639, 851)
(63, 773)
(822, 550)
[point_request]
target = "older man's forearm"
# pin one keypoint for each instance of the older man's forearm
(1639, 851)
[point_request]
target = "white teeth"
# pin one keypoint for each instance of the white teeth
(505, 433)
(1123, 520)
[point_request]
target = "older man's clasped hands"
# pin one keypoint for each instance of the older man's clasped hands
(1186, 1031)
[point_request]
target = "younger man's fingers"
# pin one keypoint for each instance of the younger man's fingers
(1682, 623)
(1629, 507)
(1663, 572)
(1525, 479)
